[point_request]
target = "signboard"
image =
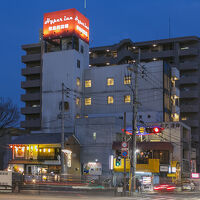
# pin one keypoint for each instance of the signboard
(146, 180)
(195, 175)
(124, 144)
(5, 180)
(164, 168)
(92, 168)
(124, 154)
(65, 23)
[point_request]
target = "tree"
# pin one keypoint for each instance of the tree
(9, 114)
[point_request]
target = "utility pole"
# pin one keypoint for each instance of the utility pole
(62, 132)
(134, 124)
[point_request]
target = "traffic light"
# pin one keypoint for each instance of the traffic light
(154, 130)
(118, 162)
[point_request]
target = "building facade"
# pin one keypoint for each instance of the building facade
(97, 94)
(183, 53)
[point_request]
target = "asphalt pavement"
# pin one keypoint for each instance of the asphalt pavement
(94, 195)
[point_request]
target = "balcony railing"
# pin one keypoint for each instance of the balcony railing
(34, 123)
(30, 97)
(189, 108)
(30, 110)
(30, 70)
(30, 84)
(31, 58)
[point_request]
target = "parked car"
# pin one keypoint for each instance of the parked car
(188, 185)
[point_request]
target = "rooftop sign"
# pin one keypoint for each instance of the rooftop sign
(65, 23)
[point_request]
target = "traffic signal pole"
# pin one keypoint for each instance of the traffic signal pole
(124, 157)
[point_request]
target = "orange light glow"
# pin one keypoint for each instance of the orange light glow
(65, 23)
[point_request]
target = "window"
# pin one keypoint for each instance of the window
(78, 101)
(110, 99)
(88, 83)
(66, 106)
(78, 81)
(82, 49)
(88, 101)
(127, 99)
(184, 118)
(94, 136)
(127, 80)
(78, 63)
(110, 81)
(78, 116)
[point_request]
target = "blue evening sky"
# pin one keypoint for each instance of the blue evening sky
(110, 22)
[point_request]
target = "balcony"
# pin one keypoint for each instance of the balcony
(34, 123)
(188, 52)
(189, 94)
(30, 70)
(175, 73)
(192, 123)
(31, 58)
(102, 60)
(188, 66)
(30, 84)
(158, 54)
(30, 97)
(189, 80)
(175, 92)
(189, 108)
(30, 110)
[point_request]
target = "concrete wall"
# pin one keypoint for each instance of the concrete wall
(100, 148)
(61, 67)
(150, 91)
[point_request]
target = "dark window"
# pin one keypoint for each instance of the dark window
(162, 155)
(82, 49)
(78, 63)
(66, 106)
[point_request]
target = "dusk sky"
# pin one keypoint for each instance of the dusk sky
(110, 22)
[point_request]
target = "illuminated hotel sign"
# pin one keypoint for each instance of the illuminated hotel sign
(65, 23)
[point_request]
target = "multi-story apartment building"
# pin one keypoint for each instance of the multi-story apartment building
(182, 53)
(96, 94)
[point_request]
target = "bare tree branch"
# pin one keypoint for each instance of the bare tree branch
(9, 114)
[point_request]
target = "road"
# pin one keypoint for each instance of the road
(77, 195)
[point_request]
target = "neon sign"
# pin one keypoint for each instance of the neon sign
(65, 23)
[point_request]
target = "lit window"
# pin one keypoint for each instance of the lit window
(110, 81)
(94, 136)
(78, 81)
(110, 100)
(127, 99)
(78, 116)
(184, 118)
(127, 80)
(78, 101)
(88, 101)
(88, 83)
